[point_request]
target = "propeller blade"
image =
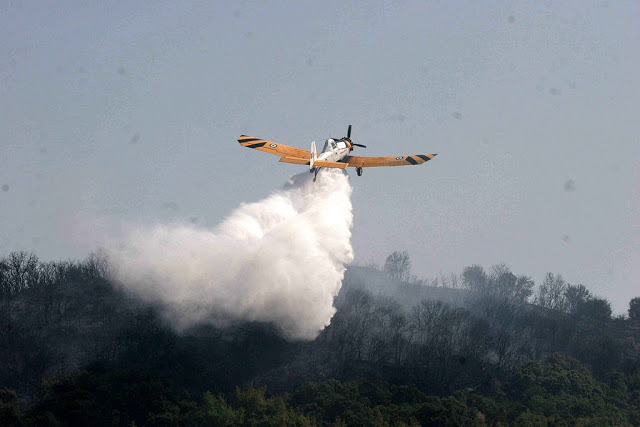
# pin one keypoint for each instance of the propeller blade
(359, 145)
(349, 132)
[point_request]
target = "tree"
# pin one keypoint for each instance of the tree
(597, 311)
(523, 289)
(10, 413)
(504, 284)
(634, 309)
(575, 296)
(551, 293)
(17, 272)
(398, 266)
(21, 270)
(474, 278)
(501, 281)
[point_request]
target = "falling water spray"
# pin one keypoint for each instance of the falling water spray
(279, 260)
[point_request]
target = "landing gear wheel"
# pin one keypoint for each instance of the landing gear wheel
(359, 171)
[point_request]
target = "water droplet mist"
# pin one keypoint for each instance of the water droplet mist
(279, 260)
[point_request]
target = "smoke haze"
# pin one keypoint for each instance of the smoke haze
(279, 260)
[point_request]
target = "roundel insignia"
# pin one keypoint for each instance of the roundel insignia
(272, 145)
(398, 158)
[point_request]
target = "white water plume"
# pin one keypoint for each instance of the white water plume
(278, 260)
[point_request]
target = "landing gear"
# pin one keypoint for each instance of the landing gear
(359, 171)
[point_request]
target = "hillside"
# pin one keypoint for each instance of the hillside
(76, 349)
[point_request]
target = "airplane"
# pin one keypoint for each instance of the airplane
(335, 154)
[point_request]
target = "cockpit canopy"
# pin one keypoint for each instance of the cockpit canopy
(334, 144)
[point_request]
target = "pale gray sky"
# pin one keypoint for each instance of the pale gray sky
(130, 111)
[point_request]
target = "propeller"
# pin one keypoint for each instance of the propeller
(348, 138)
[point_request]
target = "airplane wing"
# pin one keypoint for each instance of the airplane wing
(370, 162)
(326, 164)
(319, 163)
(274, 148)
(294, 160)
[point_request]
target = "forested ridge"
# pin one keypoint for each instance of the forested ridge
(485, 347)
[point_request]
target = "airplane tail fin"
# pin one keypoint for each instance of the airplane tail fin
(314, 155)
